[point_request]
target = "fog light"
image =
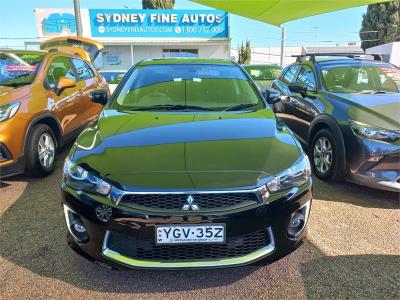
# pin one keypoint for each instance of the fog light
(299, 220)
(75, 225)
(296, 222)
(79, 228)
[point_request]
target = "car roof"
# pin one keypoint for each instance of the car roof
(171, 61)
(39, 52)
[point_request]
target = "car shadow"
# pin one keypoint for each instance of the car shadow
(352, 277)
(351, 193)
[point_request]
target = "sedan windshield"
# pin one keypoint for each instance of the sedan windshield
(362, 79)
(187, 87)
(18, 68)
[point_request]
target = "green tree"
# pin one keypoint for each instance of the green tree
(240, 54)
(381, 24)
(248, 52)
(244, 53)
(158, 4)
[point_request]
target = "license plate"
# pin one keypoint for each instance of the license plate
(190, 234)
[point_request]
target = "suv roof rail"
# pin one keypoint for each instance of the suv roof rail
(358, 55)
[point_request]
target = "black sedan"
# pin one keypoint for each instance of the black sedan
(187, 167)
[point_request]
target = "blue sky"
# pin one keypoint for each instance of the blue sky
(17, 21)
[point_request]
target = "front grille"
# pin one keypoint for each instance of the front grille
(147, 250)
(177, 201)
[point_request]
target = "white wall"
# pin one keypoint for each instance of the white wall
(140, 52)
(270, 55)
(390, 51)
(124, 53)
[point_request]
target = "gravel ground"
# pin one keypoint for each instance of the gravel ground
(352, 251)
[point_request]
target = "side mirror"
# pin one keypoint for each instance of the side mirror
(63, 83)
(298, 87)
(99, 96)
(272, 96)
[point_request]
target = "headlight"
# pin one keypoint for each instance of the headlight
(374, 133)
(81, 180)
(297, 175)
(7, 111)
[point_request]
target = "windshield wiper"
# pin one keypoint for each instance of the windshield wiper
(239, 106)
(375, 92)
(172, 107)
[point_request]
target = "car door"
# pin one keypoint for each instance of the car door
(302, 105)
(62, 104)
(87, 81)
(284, 109)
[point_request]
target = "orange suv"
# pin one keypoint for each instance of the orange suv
(44, 102)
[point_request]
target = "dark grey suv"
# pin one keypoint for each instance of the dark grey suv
(345, 110)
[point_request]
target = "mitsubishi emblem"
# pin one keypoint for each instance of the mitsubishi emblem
(189, 204)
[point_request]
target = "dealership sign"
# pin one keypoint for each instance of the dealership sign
(158, 23)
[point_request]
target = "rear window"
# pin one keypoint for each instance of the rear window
(214, 87)
(263, 72)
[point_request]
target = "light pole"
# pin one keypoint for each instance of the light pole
(77, 10)
(315, 34)
(283, 46)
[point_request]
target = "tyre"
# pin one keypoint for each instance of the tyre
(41, 151)
(324, 155)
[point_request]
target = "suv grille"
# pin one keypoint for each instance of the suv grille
(177, 201)
(147, 250)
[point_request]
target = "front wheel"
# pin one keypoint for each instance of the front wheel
(324, 156)
(41, 151)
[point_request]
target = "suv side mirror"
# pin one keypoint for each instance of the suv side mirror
(272, 96)
(63, 83)
(298, 87)
(99, 96)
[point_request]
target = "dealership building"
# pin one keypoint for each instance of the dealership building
(131, 35)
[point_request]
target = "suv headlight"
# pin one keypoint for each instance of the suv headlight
(297, 175)
(81, 180)
(374, 133)
(8, 111)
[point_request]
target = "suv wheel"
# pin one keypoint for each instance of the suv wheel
(41, 151)
(324, 155)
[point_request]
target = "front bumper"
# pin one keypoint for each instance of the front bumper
(10, 167)
(211, 263)
(12, 140)
(375, 164)
(139, 226)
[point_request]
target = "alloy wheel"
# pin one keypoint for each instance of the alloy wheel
(46, 150)
(323, 155)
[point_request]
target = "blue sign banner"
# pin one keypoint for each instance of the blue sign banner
(148, 23)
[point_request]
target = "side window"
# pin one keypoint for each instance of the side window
(60, 67)
(306, 75)
(83, 69)
(290, 74)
